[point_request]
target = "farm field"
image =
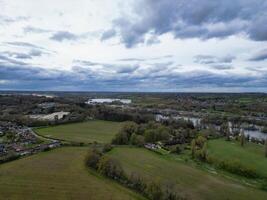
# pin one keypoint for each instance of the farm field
(87, 132)
(57, 174)
(251, 155)
(191, 182)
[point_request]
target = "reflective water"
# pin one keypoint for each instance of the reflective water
(108, 100)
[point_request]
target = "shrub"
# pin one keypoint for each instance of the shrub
(237, 168)
(137, 140)
(110, 168)
(120, 138)
(92, 158)
(154, 191)
(107, 148)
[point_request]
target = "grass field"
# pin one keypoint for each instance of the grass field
(251, 155)
(57, 174)
(189, 181)
(87, 132)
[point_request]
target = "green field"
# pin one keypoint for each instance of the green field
(189, 181)
(57, 174)
(251, 155)
(87, 132)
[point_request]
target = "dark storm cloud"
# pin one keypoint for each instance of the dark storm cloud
(262, 55)
(209, 59)
(194, 19)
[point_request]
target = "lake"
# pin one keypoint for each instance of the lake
(108, 100)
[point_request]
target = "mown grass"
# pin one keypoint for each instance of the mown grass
(57, 174)
(87, 132)
(251, 155)
(187, 180)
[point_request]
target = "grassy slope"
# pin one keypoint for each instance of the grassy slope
(192, 182)
(57, 174)
(100, 131)
(251, 155)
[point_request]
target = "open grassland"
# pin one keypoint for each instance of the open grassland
(189, 181)
(57, 174)
(87, 132)
(251, 155)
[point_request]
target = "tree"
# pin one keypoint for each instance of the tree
(137, 140)
(154, 191)
(150, 135)
(204, 151)
(93, 158)
(120, 138)
(242, 138)
(110, 167)
(225, 130)
(124, 135)
(193, 148)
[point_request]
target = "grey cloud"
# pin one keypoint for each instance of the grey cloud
(64, 35)
(209, 59)
(221, 66)
(153, 40)
(145, 59)
(32, 29)
(132, 59)
(25, 44)
(7, 60)
(108, 34)
(84, 78)
(61, 36)
(19, 55)
(7, 19)
(262, 55)
(194, 19)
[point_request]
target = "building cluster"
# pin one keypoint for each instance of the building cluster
(18, 140)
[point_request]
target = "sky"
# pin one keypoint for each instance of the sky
(134, 45)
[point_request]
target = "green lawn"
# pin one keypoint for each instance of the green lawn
(57, 174)
(189, 181)
(87, 132)
(251, 155)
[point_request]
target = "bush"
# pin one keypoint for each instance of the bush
(236, 167)
(137, 140)
(107, 148)
(93, 158)
(120, 138)
(154, 191)
(110, 168)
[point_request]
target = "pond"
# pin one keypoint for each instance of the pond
(108, 100)
(257, 133)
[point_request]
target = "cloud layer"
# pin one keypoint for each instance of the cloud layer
(134, 45)
(194, 19)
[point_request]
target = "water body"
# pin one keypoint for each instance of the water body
(108, 100)
(258, 134)
(194, 120)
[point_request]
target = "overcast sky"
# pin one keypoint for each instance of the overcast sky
(134, 45)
